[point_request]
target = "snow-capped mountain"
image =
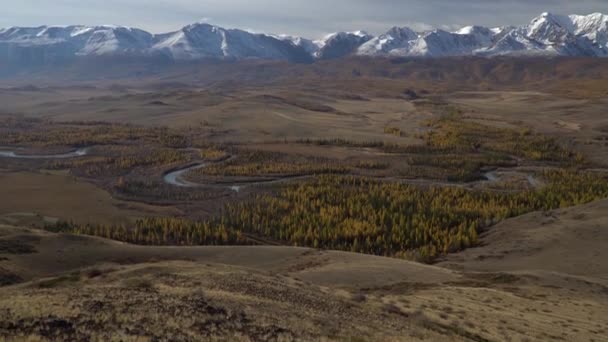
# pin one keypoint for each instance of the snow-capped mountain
(513, 42)
(341, 44)
(482, 35)
(436, 43)
(547, 34)
(395, 39)
(310, 46)
(593, 27)
(107, 40)
(571, 35)
(550, 27)
(207, 41)
(49, 44)
(79, 40)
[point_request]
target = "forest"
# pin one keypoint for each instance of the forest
(367, 216)
(363, 215)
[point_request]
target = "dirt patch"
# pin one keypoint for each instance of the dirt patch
(569, 125)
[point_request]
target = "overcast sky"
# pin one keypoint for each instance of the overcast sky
(310, 18)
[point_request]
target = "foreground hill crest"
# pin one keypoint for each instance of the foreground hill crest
(547, 34)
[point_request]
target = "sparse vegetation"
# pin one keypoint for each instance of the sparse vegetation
(455, 134)
(396, 131)
(34, 132)
(212, 153)
(456, 149)
(371, 165)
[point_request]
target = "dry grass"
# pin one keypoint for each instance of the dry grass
(276, 293)
(181, 300)
(60, 196)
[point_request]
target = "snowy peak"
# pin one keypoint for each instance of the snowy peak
(441, 43)
(547, 34)
(482, 35)
(437, 43)
(37, 35)
(395, 39)
(311, 47)
(513, 42)
(571, 35)
(589, 23)
(207, 41)
(549, 28)
(108, 40)
(346, 35)
(341, 44)
(193, 42)
(80, 40)
(403, 33)
(593, 27)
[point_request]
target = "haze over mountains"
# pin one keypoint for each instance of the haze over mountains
(548, 34)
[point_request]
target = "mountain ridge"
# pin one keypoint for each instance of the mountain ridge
(548, 34)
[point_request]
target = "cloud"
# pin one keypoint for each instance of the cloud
(311, 18)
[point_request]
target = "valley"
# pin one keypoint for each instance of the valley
(449, 199)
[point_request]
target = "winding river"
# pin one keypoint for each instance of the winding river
(176, 178)
(74, 154)
(491, 176)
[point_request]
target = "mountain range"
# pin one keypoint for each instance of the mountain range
(547, 35)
